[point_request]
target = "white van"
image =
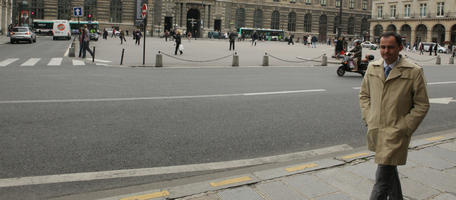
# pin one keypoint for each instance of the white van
(61, 29)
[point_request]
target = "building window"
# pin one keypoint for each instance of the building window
(365, 4)
(323, 2)
(258, 19)
(407, 10)
(275, 20)
(352, 4)
(423, 10)
(308, 2)
(37, 9)
(292, 1)
(337, 3)
(379, 11)
(276, 0)
(308, 23)
(64, 9)
(351, 26)
(440, 6)
(292, 21)
(336, 24)
(116, 11)
(90, 9)
(393, 11)
(240, 18)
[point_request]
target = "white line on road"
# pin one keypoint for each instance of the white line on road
(68, 51)
(55, 62)
(78, 62)
(89, 176)
(8, 61)
(442, 83)
(31, 62)
(155, 98)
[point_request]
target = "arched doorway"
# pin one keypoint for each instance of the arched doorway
(438, 33)
(421, 33)
(378, 31)
(323, 29)
(193, 22)
(453, 34)
(391, 28)
(406, 32)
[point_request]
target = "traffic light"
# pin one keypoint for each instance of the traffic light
(89, 17)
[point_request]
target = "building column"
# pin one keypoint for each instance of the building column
(371, 33)
(429, 36)
(2, 16)
(184, 17)
(447, 34)
(412, 37)
(206, 17)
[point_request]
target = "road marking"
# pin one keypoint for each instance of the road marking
(231, 181)
(68, 50)
(148, 196)
(354, 155)
(301, 167)
(55, 62)
(8, 61)
(31, 62)
(444, 100)
(442, 83)
(154, 98)
(78, 62)
(90, 176)
(432, 139)
(356, 88)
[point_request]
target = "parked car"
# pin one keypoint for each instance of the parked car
(93, 36)
(22, 33)
(110, 32)
(440, 49)
(369, 45)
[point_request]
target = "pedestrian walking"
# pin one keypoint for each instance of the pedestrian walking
(436, 47)
(105, 34)
(189, 36)
(314, 41)
(113, 33)
(177, 38)
(81, 41)
(122, 36)
(309, 40)
(138, 36)
(290, 40)
(254, 38)
(421, 48)
(126, 31)
(86, 41)
(166, 34)
(431, 47)
(393, 101)
(232, 38)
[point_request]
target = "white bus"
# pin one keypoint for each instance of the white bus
(43, 26)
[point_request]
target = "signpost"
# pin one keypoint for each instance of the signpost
(144, 16)
(78, 12)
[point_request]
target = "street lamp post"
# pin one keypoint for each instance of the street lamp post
(340, 19)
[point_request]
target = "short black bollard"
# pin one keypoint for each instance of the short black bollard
(121, 58)
(93, 57)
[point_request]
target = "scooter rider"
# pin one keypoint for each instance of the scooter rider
(357, 54)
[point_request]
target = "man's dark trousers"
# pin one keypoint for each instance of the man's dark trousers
(231, 44)
(387, 184)
(177, 48)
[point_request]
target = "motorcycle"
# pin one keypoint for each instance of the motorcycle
(348, 65)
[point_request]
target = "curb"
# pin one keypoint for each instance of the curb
(265, 175)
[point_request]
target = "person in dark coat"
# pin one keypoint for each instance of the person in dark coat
(357, 54)
(290, 40)
(177, 38)
(254, 38)
(339, 47)
(232, 38)
(138, 37)
(436, 47)
(431, 47)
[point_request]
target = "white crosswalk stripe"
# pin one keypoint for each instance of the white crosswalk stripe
(31, 62)
(55, 62)
(78, 62)
(8, 61)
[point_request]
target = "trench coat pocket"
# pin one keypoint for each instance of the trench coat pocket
(372, 137)
(403, 127)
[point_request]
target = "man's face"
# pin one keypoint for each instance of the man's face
(389, 49)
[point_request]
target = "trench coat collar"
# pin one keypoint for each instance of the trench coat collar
(396, 71)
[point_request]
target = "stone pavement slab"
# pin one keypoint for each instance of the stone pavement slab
(277, 190)
(356, 186)
(442, 153)
(416, 190)
(430, 177)
(309, 185)
(335, 196)
(429, 160)
(445, 196)
(450, 146)
(203, 197)
(366, 169)
(242, 193)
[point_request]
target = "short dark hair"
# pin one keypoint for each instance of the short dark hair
(395, 35)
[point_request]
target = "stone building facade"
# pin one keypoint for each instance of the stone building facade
(299, 17)
(6, 10)
(415, 20)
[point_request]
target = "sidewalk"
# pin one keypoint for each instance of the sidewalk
(430, 174)
(4, 39)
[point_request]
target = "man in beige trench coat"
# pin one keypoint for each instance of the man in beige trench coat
(393, 101)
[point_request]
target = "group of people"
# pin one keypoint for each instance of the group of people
(122, 35)
(84, 41)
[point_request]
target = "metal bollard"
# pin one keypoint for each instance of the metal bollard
(121, 58)
(93, 57)
(324, 60)
(438, 60)
(451, 60)
(235, 60)
(265, 59)
(159, 60)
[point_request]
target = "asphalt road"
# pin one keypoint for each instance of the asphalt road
(176, 116)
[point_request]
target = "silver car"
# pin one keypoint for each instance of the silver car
(369, 45)
(22, 34)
